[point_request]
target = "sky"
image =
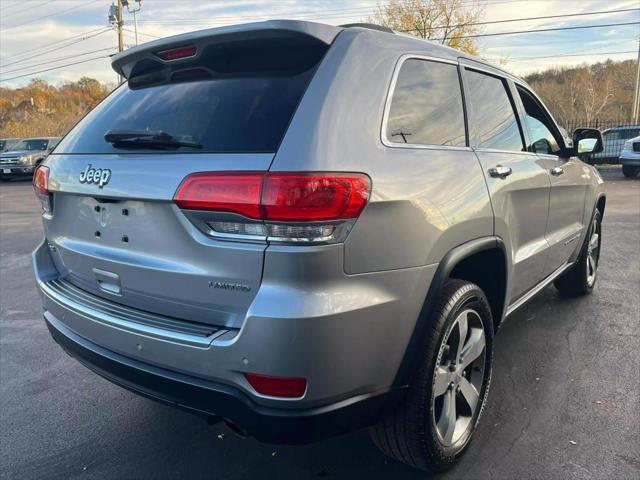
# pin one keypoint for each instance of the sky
(38, 34)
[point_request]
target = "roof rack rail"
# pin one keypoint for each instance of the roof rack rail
(371, 26)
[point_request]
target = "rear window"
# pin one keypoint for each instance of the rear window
(221, 104)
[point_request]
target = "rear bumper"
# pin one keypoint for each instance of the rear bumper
(266, 424)
(630, 159)
(15, 170)
(349, 352)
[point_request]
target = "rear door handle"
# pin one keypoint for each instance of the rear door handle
(557, 171)
(500, 172)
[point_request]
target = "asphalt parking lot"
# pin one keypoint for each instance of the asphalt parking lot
(564, 401)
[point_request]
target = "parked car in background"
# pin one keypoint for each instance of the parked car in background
(324, 237)
(25, 155)
(630, 158)
(7, 144)
(614, 139)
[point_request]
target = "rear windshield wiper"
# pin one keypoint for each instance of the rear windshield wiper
(146, 139)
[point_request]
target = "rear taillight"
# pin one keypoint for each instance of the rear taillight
(41, 187)
(304, 198)
(222, 192)
(290, 207)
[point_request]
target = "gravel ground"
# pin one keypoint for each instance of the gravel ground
(564, 400)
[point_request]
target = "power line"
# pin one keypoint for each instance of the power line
(141, 33)
(309, 14)
(57, 59)
(343, 12)
(517, 32)
(51, 15)
(73, 40)
(3, 9)
(53, 68)
(524, 59)
(59, 47)
(303, 14)
(56, 42)
(4, 16)
(546, 17)
(554, 42)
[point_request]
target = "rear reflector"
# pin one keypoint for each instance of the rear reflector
(289, 387)
(178, 52)
(41, 187)
(277, 196)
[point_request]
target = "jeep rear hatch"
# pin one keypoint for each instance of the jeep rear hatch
(213, 101)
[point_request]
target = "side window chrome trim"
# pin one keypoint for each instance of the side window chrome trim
(497, 150)
(387, 107)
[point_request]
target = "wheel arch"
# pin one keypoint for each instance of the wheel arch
(482, 261)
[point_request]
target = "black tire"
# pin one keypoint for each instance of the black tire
(409, 433)
(577, 281)
(629, 171)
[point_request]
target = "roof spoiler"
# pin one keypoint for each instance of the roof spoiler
(141, 57)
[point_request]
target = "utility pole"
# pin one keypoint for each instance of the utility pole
(635, 116)
(134, 11)
(116, 20)
(120, 25)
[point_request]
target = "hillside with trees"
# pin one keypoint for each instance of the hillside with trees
(587, 93)
(40, 109)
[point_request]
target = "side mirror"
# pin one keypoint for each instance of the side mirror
(587, 140)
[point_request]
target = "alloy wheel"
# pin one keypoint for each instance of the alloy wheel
(593, 252)
(459, 377)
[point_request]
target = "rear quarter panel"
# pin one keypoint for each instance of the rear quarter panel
(425, 201)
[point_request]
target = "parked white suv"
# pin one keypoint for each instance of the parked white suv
(613, 142)
(630, 158)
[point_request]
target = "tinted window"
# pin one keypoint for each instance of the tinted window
(631, 133)
(542, 139)
(493, 121)
(33, 144)
(225, 115)
(237, 99)
(426, 107)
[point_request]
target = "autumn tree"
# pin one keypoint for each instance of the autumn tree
(40, 109)
(449, 22)
(584, 93)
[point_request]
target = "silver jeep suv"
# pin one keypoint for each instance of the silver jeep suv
(304, 229)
